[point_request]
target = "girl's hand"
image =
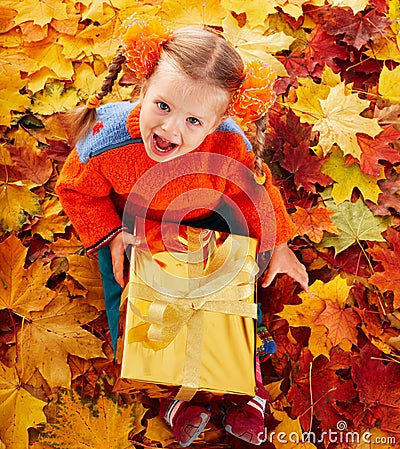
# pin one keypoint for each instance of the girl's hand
(283, 260)
(117, 249)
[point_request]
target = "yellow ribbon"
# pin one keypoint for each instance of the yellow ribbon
(221, 286)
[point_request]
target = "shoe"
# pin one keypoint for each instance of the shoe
(187, 421)
(247, 422)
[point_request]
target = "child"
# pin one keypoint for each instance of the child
(191, 80)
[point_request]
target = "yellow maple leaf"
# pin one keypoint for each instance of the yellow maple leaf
(48, 336)
(307, 105)
(251, 44)
(32, 32)
(192, 12)
(157, 430)
(355, 5)
(74, 48)
(394, 15)
(19, 410)
(288, 433)
(11, 99)
(51, 222)
(384, 48)
(341, 120)
(54, 98)
(41, 11)
(101, 424)
(17, 201)
(51, 55)
(256, 12)
(349, 177)
(292, 8)
(86, 81)
(389, 82)
(22, 289)
(39, 79)
(86, 271)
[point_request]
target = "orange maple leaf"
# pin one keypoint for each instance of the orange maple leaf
(313, 222)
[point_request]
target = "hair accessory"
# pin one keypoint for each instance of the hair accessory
(260, 179)
(93, 101)
(255, 95)
(143, 41)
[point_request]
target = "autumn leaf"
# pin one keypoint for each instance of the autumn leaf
(52, 222)
(357, 29)
(158, 430)
(86, 271)
(19, 410)
(252, 44)
(389, 84)
(355, 223)
(50, 335)
(389, 199)
(349, 177)
(375, 149)
(45, 11)
(101, 424)
(33, 165)
(389, 278)
(191, 12)
(313, 222)
(381, 399)
(22, 289)
(54, 99)
(341, 119)
(17, 201)
(289, 427)
(256, 12)
(11, 99)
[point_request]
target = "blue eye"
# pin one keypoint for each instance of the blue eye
(193, 121)
(163, 106)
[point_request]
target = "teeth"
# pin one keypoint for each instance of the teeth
(163, 145)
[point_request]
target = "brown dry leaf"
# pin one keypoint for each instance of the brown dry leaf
(19, 410)
(101, 424)
(86, 271)
(47, 338)
(22, 290)
(34, 165)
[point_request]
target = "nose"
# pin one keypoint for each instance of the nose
(171, 126)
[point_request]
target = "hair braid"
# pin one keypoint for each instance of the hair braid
(259, 147)
(113, 70)
(80, 120)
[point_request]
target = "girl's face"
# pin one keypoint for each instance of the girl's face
(177, 114)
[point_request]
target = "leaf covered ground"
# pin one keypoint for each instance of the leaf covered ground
(333, 146)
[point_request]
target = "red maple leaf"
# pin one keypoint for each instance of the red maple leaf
(355, 30)
(378, 148)
(378, 386)
(295, 67)
(327, 388)
(352, 260)
(389, 278)
(389, 198)
(305, 167)
(322, 49)
(57, 149)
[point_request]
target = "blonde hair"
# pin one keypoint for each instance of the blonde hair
(199, 54)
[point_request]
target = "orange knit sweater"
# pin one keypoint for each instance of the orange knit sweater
(101, 193)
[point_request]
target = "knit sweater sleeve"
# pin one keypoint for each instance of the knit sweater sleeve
(84, 194)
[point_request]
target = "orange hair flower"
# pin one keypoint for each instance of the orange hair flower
(143, 40)
(255, 95)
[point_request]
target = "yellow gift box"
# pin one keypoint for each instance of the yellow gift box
(188, 316)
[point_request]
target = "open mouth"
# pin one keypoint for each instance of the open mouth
(163, 145)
